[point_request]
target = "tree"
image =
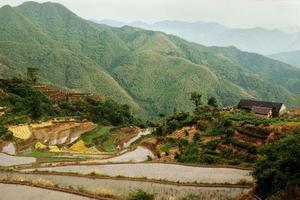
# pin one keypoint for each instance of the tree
(36, 106)
(212, 102)
(32, 74)
(5, 134)
(279, 167)
(196, 98)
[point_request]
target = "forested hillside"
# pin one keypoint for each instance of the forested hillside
(151, 71)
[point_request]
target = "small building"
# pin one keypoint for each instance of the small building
(262, 111)
(263, 108)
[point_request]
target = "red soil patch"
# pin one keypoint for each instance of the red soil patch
(185, 132)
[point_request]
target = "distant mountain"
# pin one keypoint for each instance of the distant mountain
(292, 57)
(151, 71)
(259, 40)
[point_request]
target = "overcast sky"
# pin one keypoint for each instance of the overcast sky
(233, 13)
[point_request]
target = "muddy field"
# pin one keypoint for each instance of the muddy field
(122, 188)
(139, 155)
(17, 192)
(8, 160)
(160, 171)
(9, 148)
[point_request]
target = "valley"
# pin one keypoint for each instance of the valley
(209, 153)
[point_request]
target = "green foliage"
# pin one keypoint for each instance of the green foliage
(93, 138)
(23, 99)
(279, 167)
(212, 102)
(255, 132)
(197, 137)
(250, 148)
(166, 147)
(221, 125)
(25, 103)
(5, 134)
(140, 195)
(202, 125)
(196, 98)
(176, 121)
(212, 145)
(106, 111)
(194, 153)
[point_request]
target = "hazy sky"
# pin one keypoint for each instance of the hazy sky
(233, 13)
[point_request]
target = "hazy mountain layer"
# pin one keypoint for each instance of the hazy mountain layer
(259, 40)
(292, 57)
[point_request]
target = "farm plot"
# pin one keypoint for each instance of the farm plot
(9, 148)
(122, 188)
(8, 160)
(160, 171)
(9, 191)
(139, 155)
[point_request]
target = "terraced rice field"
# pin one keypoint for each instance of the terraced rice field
(122, 188)
(21, 131)
(139, 155)
(140, 134)
(16, 192)
(8, 160)
(160, 171)
(9, 149)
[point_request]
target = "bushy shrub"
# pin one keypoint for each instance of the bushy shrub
(5, 134)
(212, 145)
(174, 122)
(279, 167)
(140, 195)
(202, 125)
(250, 148)
(25, 100)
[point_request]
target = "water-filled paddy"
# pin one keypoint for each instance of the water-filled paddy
(8, 160)
(160, 171)
(9, 191)
(122, 188)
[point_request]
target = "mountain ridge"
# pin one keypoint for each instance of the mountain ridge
(256, 39)
(151, 71)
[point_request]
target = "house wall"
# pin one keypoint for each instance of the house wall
(282, 110)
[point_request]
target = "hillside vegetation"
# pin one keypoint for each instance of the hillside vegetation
(24, 104)
(211, 135)
(151, 71)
